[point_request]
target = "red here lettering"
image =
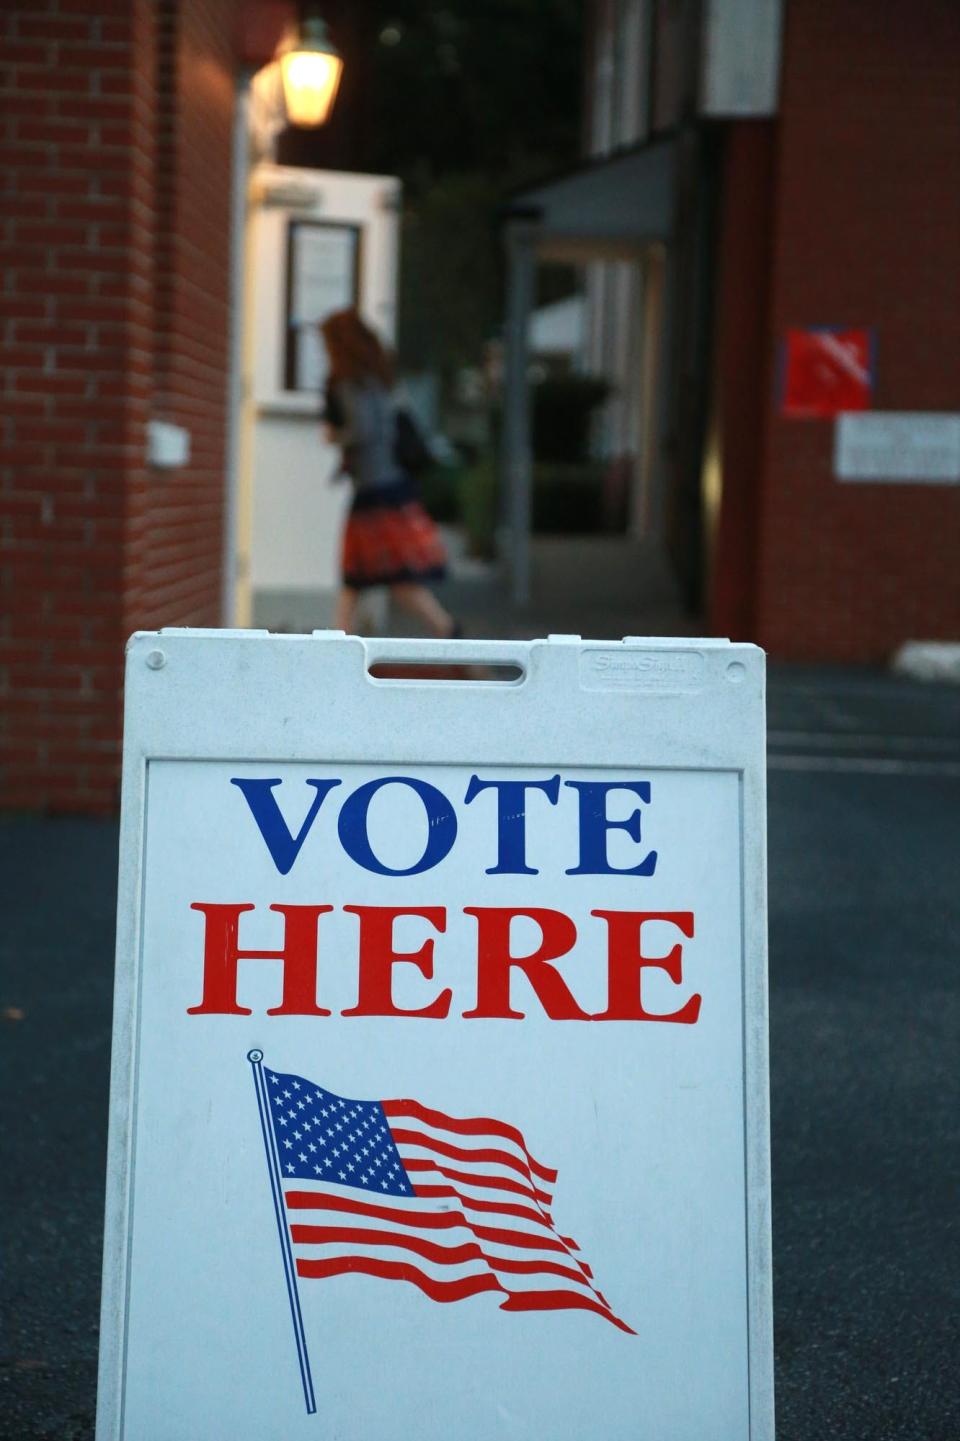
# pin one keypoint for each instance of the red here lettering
(495, 961)
(626, 964)
(221, 952)
(378, 958)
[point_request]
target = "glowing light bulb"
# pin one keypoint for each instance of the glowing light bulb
(310, 71)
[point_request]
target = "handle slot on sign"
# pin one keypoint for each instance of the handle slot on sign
(447, 669)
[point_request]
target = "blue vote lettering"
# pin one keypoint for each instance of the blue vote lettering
(594, 824)
(512, 820)
(283, 847)
(441, 826)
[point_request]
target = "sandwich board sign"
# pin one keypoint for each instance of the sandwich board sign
(439, 1093)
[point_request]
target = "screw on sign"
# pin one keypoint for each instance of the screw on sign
(498, 982)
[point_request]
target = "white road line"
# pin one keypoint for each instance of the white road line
(896, 690)
(863, 765)
(828, 740)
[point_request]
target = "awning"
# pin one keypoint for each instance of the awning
(604, 208)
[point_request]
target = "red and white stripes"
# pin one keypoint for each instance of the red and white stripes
(478, 1220)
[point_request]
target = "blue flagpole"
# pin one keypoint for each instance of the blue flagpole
(273, 1167)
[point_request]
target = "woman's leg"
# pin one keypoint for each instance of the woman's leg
(424, 605)
(346, 611)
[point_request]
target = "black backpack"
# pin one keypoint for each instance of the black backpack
(410, 450)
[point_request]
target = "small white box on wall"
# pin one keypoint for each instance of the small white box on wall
(168, 445)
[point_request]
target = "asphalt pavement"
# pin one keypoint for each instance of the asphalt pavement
(864, 843)
(864, 838)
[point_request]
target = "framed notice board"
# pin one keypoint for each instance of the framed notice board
(323, 275)
(439, 1093)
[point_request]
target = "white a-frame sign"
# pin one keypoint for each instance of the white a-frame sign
(439, 1097)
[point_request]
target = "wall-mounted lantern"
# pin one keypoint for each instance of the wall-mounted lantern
(310, 71)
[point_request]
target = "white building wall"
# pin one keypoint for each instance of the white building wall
(294, 502)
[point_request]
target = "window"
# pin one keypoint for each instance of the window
(323, 275)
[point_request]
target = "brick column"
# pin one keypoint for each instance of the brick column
(93, 544)
(175, 535)
(77, 163)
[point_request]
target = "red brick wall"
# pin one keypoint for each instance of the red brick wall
(176, 535)
(867, 233)
(92, 543)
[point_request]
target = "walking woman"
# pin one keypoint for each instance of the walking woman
(389, 539)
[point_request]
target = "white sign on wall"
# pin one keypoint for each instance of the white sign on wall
(439, 1087)
(323, 260)
(909, 446)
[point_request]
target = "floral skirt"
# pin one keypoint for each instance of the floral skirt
(389, 539)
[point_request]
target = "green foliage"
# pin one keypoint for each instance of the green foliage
(489, 86)
(449, 273)
(478, 505)
(439, 488)
(567, 499)
(468, 101)
(562, 407)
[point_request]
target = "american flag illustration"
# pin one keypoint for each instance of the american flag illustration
(398, 1190)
